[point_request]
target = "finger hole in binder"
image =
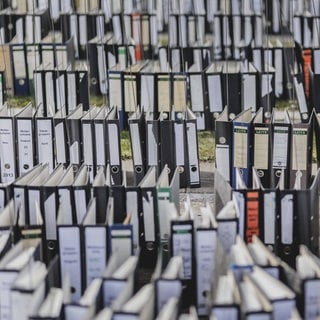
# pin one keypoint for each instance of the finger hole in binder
(194, 169)
(287, 250)
(278, 173)
(51, 245)
(115, 169)
(138, 169)
(165, 247)
(150, 246)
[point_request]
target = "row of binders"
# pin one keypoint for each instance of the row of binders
(278, 147)
(283, 218)
(60, 88)
(92, 137)
(167, 139)
(19, 60)
(28, 138)
(199, 260)
(154, 87)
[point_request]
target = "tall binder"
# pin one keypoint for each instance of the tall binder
(87, 139)
(224, 145)
(242, 146)
(112, 127)
(44, 140)
(269, 206)
(182, 244)
(120, 235)
(25, 138)
(7, 145)
(49, 209)
(95, 244)
(81, 192)
(137, 138)
(71, 263)
(281, 131)
(261, 148)
(206, 230)
(301, 151)
(152, 136)
(150, 222)
(60, 134)
(215, 98)
(193, 157)
(167, 147)
(20, 75)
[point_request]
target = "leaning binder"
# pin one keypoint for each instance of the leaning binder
(88, 304)
(253, 303)
(46, 311)
(308, 280)
(280, 296)
(140, 306)
(117, 277)
(169, 284)
(21, 256)
(226, 302)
